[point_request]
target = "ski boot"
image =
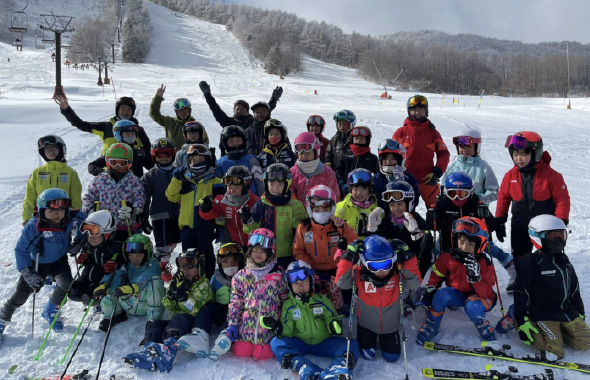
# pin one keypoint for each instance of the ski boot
(104, 324)
(49, 312)
(485, 330)
(429, 329)
(336, 370)
(306, 369)
(197, 342)
(506, 323)
(368, 353)
(155, 356)
(512, 274)
(221, 346)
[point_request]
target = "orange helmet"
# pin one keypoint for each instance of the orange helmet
(526, 140)
(473, 227)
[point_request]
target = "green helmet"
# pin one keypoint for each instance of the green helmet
(139, 243)
(120, 151)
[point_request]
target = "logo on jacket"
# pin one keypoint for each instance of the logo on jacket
(308, 237)
(370, 288)
(548, 272)
(296, 314)
(63, 178)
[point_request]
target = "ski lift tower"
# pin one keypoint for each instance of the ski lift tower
(57, 25)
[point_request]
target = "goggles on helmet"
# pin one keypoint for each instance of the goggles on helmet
(418, 100)
(394, 195)
(320, 202)
(121, 162)
(303, 147)
(466, 227)
(549, 235)
(90, 229)
(315, 120)
(360, 177)
(382, 265)
(466, 140)
(181, 103)
(297, 275)
(199, 149)
(273, 123)
(164, 152)
(47, 140)
(459, 194)
(276, 176)
(235, 180)
(360, 131)
(134, 247)
(189, 263)
(228, 249)
(264, 241)
(58, 204)
(517, 142)
(389, 144)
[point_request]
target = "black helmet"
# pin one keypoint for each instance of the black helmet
(278, 171)
(238, 175)
(125, 100)
(195, 126)
(191, 257)
(233, 131)
(198, 150)
(274, 123)
(52, 140)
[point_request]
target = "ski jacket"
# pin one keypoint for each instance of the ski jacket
(324, 142)
(51, 243)
(283, 155)
(189, 194)
(221, 287)
(546, 288)
(302, 183)
(378, 306)
(308, 320)
(172, 125)
(224, 163)
(233, 222)
(541, 190)
(282, 220)
(381, 182)
(251, 299)
(367, 161)
(485, 183)
(93, 269)
(356, 217)
(224, 120)
(449, 267)
(338, 148)
(422, 142)
(53, 174)
(198, 294)
(316, 244)
(155, 183)
(140, 161)
(111, 194)
(104, 130)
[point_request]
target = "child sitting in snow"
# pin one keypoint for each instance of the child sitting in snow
(356, 206)
(309, 324)
(256, 290)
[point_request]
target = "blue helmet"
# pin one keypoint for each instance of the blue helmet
(377, 248)
(124, 126)
(346, 115)
(397, 191)
(458, 180)
(298, 271)
(53, 198)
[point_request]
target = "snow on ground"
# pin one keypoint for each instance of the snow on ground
(187, 51)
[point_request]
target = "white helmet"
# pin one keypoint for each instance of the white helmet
(469, 132)
(540, 225)
(104, 219)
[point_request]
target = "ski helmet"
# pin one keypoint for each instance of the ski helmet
(117, 153)
(362, 131)
(345, 115)
(468, 136)
(230, 249)
(316, 119)
(530, 141)
(274, 123)
(101, 222)
(264, 238)
(396, 191)
(299, 271)
(307, 141)
(458, 186)
(278, 172)
(378, 254)
(52, 140)
(138, 243)
(417, 101)
(233, 131)
(193, 126)
(475, 229)
(181, 103)
(56, 199)
(399, 152)
(238, 175)
(163, 147)
(198, 150)
(320, 196)
(360, 176)
(125, 100)
(125, 126)
(191, 258)
(540, 228)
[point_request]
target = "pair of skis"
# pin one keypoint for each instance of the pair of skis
(434, 373)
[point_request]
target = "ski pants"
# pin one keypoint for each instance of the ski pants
(147, 302)
(499, 254)
(211, 313)
(519, 240)
(475, 306)
(59, 270)
(389, 343)
(553, 335)
(333, 346)
(166, 234)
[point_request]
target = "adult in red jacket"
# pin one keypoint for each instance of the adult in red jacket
(422, 141)
(316, 125)
(532, 187)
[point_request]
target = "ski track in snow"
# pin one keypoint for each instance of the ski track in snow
(186, 51)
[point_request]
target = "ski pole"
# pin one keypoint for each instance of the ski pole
(34, 297)
(63, 359)
(80, 341)
(124, 204)
(489, 254)
(351, 316)
(116, 303)
(401, 305)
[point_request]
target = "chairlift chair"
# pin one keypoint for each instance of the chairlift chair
(39, 43)
(19, 21)
(48, 37)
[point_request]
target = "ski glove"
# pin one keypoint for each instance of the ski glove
(428, 295)
(501, 232)
(472, 267)
(144, 219)
(125, 213)
(81, 258)
(206, 204)
(100, 291)
(354, 251)
(110, 266)
(269, 323)
(483, 211)
(375, 219)
(342, 243)
(335, 327)
(127, 290)
(412, 226)
(76, 246)
(525, 331)
(431, 179)
(32, 279)
(178, 291)
(277, 93)
(232, 333)
(178, 173)
(205, 89)
(246, 215)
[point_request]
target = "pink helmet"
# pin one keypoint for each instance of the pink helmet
(263, 237)
(320, 195)
(306, 141)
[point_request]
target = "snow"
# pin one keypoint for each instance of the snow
(186, 51)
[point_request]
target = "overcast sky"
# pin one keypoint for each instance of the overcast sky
(523, 20)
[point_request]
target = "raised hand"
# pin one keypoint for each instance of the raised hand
(161, 90)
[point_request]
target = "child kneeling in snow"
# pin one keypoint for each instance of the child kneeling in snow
(309, 324)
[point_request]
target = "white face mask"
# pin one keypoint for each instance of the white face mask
(230, 271)
(321, 217)
(129, 140)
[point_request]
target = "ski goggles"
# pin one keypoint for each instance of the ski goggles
(200, 149)
(304, 147)
(459, 194)
(189, 263)
(228, 249)
(376, 266)
(297, 275)
(466, 140)
(394, 195)
(466, 227)
(235, 180)
(517, 142)
(47, 140)
(181, 103)
(417, 100)
(316, 120)
(164, 152)
(549, 235)
(134, 247)
(277, 176)
(193, 126)
(273, 123)
(320, 202)
(118, 162)
(91, 229)
(263, 241)
(58, 204)
(389, 145)
(360, 177)
(360, 131)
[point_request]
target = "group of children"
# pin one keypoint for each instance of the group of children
(308, 235)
